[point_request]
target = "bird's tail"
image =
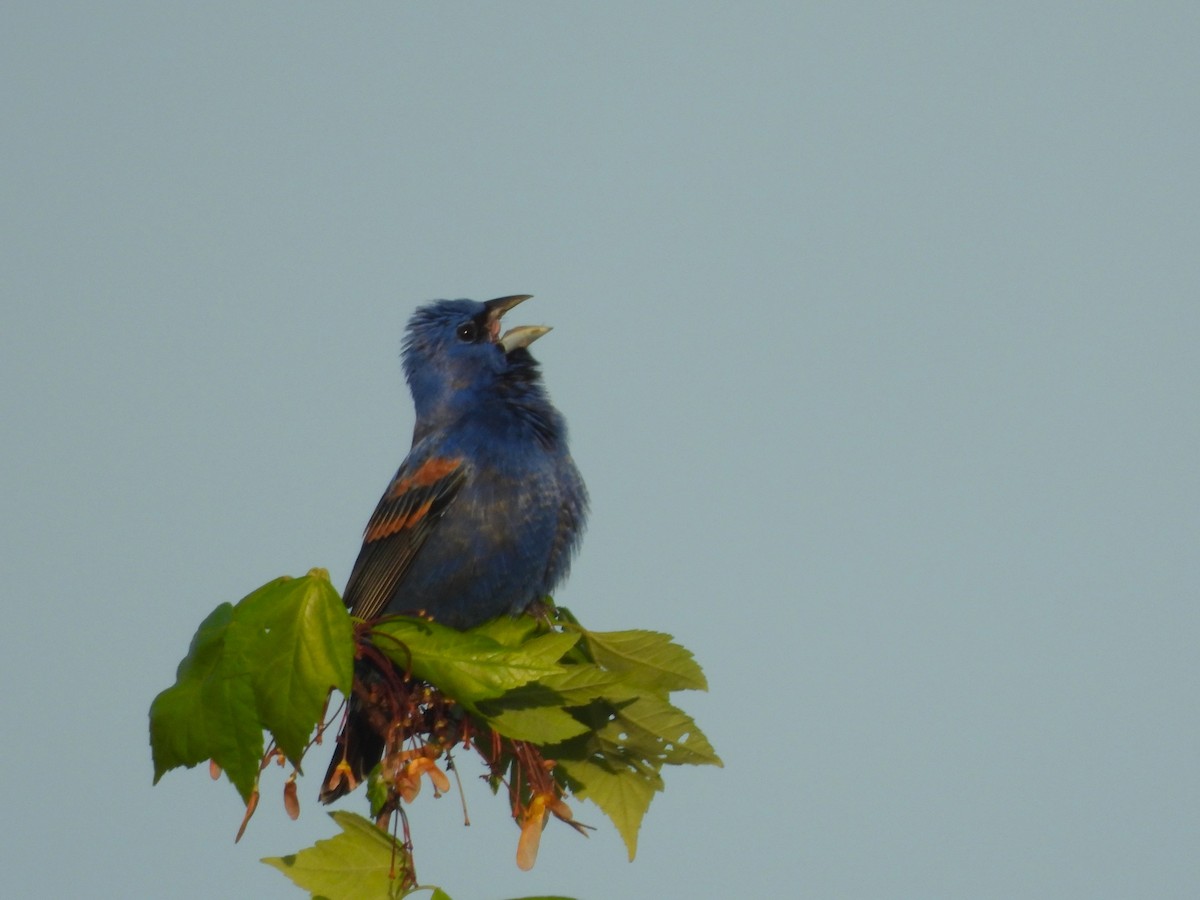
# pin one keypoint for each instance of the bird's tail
(359, 745)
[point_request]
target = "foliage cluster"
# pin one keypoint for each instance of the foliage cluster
(556, 711)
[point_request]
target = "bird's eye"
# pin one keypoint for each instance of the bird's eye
(467, 332)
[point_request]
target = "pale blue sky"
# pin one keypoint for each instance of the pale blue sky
(877, 327)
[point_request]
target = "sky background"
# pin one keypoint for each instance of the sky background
(877, 327)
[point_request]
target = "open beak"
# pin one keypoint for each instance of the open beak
(522, 335)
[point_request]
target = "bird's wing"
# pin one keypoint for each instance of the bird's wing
(416, 499)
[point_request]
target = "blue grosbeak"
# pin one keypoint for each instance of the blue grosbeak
(485, 513)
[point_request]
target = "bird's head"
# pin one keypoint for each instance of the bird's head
(454, 349)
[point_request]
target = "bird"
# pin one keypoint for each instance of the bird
(486, 512)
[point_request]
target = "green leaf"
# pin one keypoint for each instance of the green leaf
(655, 729)
(651, 659)
(353, 865)
(551, 648)
(511, 631)
(583, 682)
(623, 792)
(468, 666)
(378, 791)
(297, 641)
(539, 725)
(267, 662)
(209, 713)
(578, 682)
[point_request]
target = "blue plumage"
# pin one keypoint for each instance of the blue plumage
(484, 514)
